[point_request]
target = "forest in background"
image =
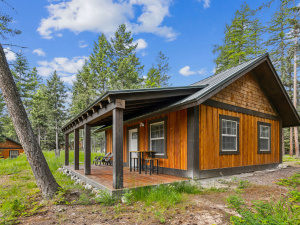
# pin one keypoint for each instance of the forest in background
(114, 65)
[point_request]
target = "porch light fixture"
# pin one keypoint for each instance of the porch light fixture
(142, 124)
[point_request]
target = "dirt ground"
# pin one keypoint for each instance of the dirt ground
(207, 208)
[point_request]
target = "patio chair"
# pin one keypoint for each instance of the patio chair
(108, 160)
(98, 159)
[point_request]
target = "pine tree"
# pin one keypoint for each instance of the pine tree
(126, 67)
(5, 30)
(153, 78)
(163, 67)
(39, 112)
(56, 93)
(100, 62)
(157, 75)
(84, 89)
(241, 42)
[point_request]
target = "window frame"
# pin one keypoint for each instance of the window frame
(229, 118)
(259, 151)
(156, 121)
(13, 151)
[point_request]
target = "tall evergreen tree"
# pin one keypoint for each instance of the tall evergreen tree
(56, 93)
(100, 62)
(241, 42)
(126, 66)
(39, 113)
(84, 89)
(157, 75)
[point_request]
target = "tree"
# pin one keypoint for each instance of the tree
(153, 78)
(5, 21)
(278, 41)
(126, 67)
(56, 93)
(39, 112)
(295, 29)
(241, 42)
(100, 62)
(43, 176)
(163, 67)
(83, 89)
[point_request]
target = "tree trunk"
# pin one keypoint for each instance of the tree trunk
(43, 176)
(295, 97)
(56, 139)
(291, 142)
(282, 142)
(39, 135)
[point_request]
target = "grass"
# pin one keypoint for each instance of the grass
(284, 211)
(164, 195)
(19, 195)
(288, 158)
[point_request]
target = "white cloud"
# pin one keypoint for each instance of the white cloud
(69, 79)
(142, 44)
(82, 44)
(10, 55)
(104, 16)
(206, 3)
(62, 65)
(186, 71)
(39, 52)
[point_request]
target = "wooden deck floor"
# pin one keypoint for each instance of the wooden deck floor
(104, 176)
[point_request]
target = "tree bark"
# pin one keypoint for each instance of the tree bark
(291, 142)
(43, 176)
(295, 97)
(282, 142)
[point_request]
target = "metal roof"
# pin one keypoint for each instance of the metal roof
(207, 87)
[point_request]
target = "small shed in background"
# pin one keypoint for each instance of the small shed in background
(10, 148)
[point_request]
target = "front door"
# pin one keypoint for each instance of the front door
(132, 144)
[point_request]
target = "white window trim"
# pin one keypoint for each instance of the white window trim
(230, 135)
(266, 138)
(160, 138)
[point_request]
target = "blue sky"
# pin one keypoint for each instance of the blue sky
(59, 35)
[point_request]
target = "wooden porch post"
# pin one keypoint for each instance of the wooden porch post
(87, 149)
(76, 149)
(117, 145)
(66, 149)
(193, 142)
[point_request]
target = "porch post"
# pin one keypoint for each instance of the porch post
(117, 145)
(87, 149)
(76, 149)
(193, 142)
(66, 149)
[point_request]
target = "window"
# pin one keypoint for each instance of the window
(157, 137)
(264, 137)
(229, 135)
(13, 154)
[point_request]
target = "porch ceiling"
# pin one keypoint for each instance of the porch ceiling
(136, 103)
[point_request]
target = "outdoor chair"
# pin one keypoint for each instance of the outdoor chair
(99, 159)
(108, 160)
(151, 167)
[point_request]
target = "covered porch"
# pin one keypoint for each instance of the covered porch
(110, 111)
(101, 177)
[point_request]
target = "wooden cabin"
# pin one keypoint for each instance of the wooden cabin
(10, 148)
(228, 123)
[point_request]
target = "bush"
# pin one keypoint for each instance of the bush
(105, 198)
(282, 212)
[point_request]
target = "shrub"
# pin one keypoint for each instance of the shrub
(282, 212)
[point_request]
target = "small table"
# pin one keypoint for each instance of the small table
(141, 157)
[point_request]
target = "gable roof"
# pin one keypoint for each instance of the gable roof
(260, 67)
(12, 140)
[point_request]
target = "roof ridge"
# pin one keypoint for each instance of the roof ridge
(253, 59)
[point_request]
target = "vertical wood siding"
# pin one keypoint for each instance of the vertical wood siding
(209, 140)
(176, 140)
